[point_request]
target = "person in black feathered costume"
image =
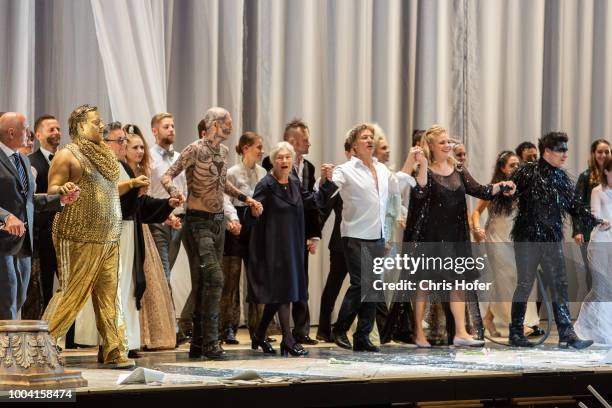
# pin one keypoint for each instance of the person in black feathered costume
(545, 195)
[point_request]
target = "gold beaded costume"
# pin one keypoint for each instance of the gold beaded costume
(86, 235)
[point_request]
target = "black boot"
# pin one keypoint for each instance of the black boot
(517, 336)
(195, 349)
(570, 339)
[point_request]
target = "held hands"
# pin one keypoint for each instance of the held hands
(174, 222)
(605, 225)
(175, 202)
(67, 188)
(140, 181)
(179, 196)
(479, 234)
(311, 245)
(414, 156)
(71, 196)
(326, 172)
(234, 227)
(508, 188)
(579, 238)
(256, 207)
(14, 226)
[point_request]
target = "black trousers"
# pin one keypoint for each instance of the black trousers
(352, 305)
(300, 311)
(205, 250)
(548, 255)
(333, 284)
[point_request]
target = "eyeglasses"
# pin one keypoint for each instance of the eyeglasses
(121, 140)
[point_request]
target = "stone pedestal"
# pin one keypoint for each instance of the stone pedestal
(29, 358)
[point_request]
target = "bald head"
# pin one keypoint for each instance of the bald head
(13, 130)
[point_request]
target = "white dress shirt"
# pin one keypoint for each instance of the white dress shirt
(160, 163)
(364, 204)
(46, 153)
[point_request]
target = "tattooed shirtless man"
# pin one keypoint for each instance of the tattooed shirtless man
(205, 165)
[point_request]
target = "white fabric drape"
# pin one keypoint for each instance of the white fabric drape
(494, 72)
(132, 44)
(17, 56)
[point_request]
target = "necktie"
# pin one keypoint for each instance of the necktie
(51, 157)
(21, 171)
(168, 154)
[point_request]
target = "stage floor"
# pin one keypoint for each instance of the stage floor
(485, 371)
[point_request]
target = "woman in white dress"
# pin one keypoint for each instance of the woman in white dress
(595, 318)
(500, 252)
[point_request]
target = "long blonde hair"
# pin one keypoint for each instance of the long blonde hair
(428, 140)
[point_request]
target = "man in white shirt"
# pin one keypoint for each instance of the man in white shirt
(363, 184)
(167, 238)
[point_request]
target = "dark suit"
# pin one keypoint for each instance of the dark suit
(300, 312)
(16, 252)
(43, 222)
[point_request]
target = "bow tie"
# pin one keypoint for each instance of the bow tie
(168, 154)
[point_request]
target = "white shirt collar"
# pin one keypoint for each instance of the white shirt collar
(7, 150)
(356, 160)
(46, 153)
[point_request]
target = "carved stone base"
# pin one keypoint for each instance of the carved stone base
(29, 358)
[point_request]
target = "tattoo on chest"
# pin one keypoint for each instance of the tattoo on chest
(209, 176)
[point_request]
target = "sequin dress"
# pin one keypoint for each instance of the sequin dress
(438, 214)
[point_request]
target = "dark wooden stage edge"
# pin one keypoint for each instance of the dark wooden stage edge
(493, 390)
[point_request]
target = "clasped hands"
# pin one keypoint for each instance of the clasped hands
(176, 199)
(69, 193)
(327, 170)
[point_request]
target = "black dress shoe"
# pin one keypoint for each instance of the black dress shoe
(296, 350)
(365, 345)
(213, 350)
(573, 341)
(270, 339)
(519, 340)
(342, 340)
(305, 340)
(266, 347)
(134, 354)
(537, 331)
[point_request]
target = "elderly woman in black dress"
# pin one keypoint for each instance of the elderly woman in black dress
(276, 275)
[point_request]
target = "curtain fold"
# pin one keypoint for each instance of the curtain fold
(131, 38)
(17, 22)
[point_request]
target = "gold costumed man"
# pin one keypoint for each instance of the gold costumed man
(86, 236)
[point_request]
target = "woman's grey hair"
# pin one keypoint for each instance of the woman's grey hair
(214, 114)
(280, 146)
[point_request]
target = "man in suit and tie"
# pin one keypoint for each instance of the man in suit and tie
(298, 135)
(48, 133)
(17, 205)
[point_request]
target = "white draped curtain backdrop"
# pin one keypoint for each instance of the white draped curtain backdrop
(495, 72)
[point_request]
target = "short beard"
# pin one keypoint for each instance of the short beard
(166, 141)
